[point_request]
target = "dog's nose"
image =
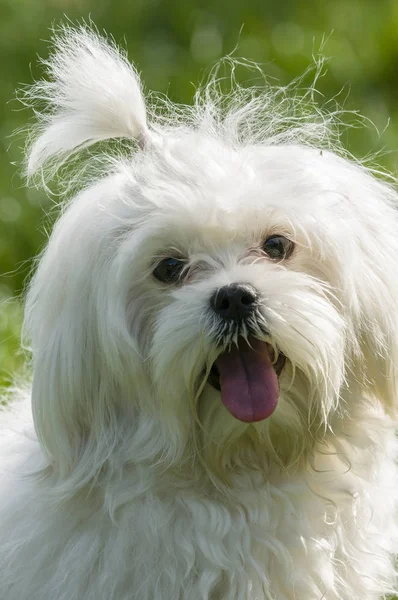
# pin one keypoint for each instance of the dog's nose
(234, 302)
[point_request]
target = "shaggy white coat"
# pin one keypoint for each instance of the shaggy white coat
(136, 484)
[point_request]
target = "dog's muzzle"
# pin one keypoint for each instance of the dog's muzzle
(247, 371)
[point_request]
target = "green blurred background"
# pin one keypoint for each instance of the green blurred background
(174, 43)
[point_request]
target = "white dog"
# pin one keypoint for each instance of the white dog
(214, 328)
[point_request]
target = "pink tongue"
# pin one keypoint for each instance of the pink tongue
(249, 384)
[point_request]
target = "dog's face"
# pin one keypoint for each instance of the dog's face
(235, 294)
(246, 288)
(234, 301)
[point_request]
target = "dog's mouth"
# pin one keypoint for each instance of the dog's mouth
(247, 377)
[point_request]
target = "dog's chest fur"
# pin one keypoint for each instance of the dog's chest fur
(324, 533)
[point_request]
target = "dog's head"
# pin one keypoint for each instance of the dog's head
(225, 291)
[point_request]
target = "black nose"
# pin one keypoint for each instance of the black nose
(234, 302)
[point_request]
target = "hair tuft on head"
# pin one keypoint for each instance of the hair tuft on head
(91, 93)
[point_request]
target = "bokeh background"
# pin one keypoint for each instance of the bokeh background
(173, 44)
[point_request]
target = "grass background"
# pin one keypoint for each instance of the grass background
(173, 43)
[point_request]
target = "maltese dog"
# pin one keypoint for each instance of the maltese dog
(214, 332)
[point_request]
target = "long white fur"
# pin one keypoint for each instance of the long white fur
(131, 487)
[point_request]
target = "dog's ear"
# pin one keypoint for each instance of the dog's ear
(378, 368)
(375, 280)
(85, 359)
(91, 93)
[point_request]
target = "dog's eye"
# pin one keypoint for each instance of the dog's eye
(169, 270)
(278, 247)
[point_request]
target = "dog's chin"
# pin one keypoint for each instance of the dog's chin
(247, 377)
